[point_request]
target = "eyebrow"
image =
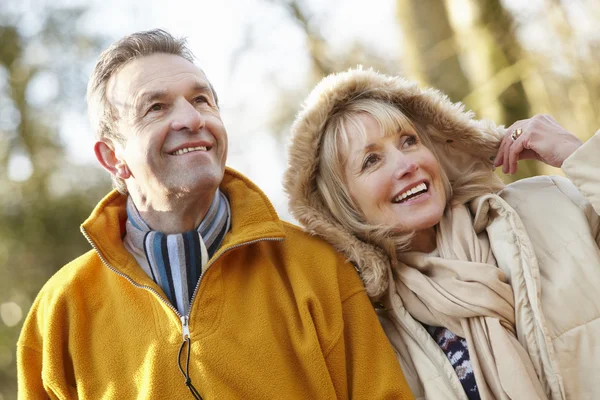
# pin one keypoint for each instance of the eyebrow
(357, 156)
(201, 87)
(148, 97)
(154, 95)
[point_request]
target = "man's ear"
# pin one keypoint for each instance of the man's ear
(106, 155)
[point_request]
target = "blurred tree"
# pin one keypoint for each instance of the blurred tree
(44, 195)
(472, 51)
(574, 93)
(496, 65)
(324, 60)
(429, 48)
(498, 59)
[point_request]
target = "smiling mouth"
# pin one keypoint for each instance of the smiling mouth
(412, 193)
(188, 150)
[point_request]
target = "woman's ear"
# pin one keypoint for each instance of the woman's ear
(106, 155)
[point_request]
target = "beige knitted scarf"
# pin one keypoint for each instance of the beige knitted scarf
(464, 291)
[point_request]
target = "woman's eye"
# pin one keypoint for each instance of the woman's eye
(369, 161)
(409, 140)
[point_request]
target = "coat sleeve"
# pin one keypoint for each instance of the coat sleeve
(29, 367)
(30, 358)
(41, 363)
(363, 351)
(583, 169)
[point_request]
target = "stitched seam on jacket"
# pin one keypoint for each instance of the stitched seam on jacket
(29, 348)
(572, 165)
(575, 327)
(334, 342)
(567, 196)
(535, 329)
(585, 195)
(352, 294)
(49, 386)
(338, 335)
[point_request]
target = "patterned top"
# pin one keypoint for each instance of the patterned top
(457, 352)
(176, 261)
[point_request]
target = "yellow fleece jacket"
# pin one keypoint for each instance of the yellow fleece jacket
(278, 315)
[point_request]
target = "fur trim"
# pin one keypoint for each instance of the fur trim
(461, 142)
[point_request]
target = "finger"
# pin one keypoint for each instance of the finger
(504, 144)
(515, 150)
(500, 155)
(508, 140)
(517, 124)
(505, 162)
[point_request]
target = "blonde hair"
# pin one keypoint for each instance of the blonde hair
(102, 114)
(330, 176)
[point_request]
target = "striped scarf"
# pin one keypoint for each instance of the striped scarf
(176, 261)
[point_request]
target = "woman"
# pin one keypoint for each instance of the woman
(486, 291)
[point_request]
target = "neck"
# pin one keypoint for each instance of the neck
(173, 215)
(424, 241)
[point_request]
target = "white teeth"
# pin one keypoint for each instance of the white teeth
(188, 149)
(419, 188)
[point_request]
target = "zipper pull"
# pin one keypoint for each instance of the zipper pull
(185, 328)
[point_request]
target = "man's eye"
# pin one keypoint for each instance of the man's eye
(201, 99)
(156, 107)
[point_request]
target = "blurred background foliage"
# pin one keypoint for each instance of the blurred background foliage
(505, 62)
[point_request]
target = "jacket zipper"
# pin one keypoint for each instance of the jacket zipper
(185, 328)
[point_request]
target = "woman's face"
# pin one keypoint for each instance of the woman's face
(394, 179)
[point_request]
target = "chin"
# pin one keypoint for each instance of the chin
(428, 223)
(206, 182)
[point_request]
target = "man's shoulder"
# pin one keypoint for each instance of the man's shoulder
(319, 260)
(299, 238)
(71, 275)
(58, 295)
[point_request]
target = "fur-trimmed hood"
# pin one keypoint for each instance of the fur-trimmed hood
(461, 142)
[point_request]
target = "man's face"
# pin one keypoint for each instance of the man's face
(175, 141)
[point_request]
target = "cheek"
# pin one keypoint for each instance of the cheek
(430, 164)
(140, 153)
(433, 162)
(372, 194)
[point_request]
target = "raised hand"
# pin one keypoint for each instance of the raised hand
(540, 138)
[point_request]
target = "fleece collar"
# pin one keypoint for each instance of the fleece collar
(461, 142)
(252, 218)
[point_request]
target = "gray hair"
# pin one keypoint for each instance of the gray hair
(102, 114)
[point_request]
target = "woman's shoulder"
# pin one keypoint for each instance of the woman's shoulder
(543, 191)
(536, 183)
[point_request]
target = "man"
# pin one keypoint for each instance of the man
(194, 287)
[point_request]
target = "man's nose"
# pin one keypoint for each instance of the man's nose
(186, 116)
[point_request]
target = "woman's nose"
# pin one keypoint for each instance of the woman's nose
(405, 166)
(186, 116)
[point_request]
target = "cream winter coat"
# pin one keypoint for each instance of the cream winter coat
(550, 253)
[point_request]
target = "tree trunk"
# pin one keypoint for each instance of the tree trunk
(429, 47)
(496, 65)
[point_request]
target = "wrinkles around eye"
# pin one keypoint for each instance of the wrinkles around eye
(369, 161)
